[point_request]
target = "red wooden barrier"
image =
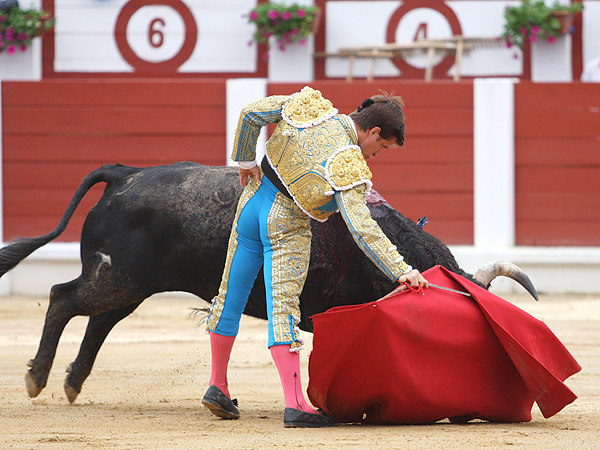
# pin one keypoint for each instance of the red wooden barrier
(557, 144)
(56, 132)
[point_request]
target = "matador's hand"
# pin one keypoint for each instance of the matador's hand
(248, 174)
(414, 279)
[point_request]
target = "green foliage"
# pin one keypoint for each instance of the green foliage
(18, 27)
(534, 20)
(287, 23)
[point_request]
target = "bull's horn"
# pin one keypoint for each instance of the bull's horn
(491, 270)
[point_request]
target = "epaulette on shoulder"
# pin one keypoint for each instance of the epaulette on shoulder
(347, 168)
(307, 108)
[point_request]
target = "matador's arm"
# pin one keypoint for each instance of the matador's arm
(253, 117)
(367, 233)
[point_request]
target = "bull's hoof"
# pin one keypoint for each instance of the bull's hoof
(71, 392)
(32, 387)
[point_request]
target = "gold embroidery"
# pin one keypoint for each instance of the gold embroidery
(307, 108)
(299, 156)
(347, 168)
(252, 118)
(290, 234)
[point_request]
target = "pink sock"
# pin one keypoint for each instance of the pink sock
(220, 349)
(288, 365)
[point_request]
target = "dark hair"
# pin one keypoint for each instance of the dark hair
(384, 111)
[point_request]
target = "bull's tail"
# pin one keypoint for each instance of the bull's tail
(21, 248)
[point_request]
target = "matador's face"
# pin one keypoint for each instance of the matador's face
(372, 143)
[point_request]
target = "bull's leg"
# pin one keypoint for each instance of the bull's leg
(61, 309)
(98, 328)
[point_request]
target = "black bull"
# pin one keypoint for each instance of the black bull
(166, 228)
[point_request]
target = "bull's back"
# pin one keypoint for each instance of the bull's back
(165, 225)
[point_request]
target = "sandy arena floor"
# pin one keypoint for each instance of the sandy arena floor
(146, 387)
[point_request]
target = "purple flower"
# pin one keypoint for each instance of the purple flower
(533, 38)
(508, 44)
(301, 13)
(286, 15)
(10, 33)
(515, 55)
(11, 49)
(303, 42)
(295, 31)
(23, 48)
(524, 31)
(551, 39)
(21, 36)
(535, 30)
(272, 14)
(253, 15)
(2, 17)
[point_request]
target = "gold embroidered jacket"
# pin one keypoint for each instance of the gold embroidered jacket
(314, 151)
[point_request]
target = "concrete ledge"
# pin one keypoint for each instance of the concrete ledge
(553, 270)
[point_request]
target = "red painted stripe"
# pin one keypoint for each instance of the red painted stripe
(101, 93)
(556, 179)
(562, 152)
(125, 149)
(538, 233)
(15, 227)
(36, 203)
(559, 206)
(124, 120)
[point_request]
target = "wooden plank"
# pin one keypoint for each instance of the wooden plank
(438, 122)
(149, 150)
(556, 96)
(37, 226)
(579, 234)
(556, 123)
(437, 206)
(435, 149)
(99, 121)
(548, 179)
(112, 92)
(558, 206)
(547, 110)
(567, 151)
(415, 93)
(455, 232)
(43, 202)
(431, 177)
(45, 175)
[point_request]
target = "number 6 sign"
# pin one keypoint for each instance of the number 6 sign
(156, 35)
